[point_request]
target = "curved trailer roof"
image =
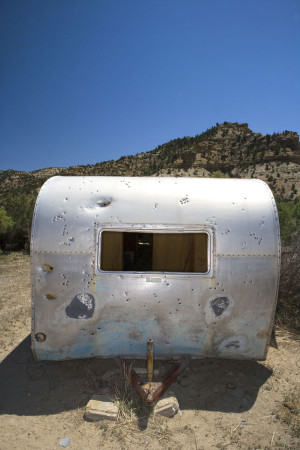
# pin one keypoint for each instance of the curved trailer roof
(242, 211)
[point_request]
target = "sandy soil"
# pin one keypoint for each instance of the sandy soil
(223, 404)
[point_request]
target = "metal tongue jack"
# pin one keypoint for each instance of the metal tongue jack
(151, 391)
(150, 360)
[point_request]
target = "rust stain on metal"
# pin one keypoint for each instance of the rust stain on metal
(103, 203)
(150, 359)
(151, 391)
(50, 297)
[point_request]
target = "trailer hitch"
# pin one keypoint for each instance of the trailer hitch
(151, 391)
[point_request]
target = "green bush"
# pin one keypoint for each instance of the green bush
(289, 218)
(288, 309)
(6, 222)
(15, 220)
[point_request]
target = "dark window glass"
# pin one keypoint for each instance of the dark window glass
(154, 252)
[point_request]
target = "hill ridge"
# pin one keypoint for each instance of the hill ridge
(229, 149)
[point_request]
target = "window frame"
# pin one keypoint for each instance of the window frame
(161, 229)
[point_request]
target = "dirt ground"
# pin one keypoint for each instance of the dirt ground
(223, 404)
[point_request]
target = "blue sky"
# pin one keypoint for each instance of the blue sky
(85, 81)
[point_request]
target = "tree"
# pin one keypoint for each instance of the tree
(6, 222)
(288, 310)
(289, 218)
(18, 207)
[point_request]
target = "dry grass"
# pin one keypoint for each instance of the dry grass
(50, 406)
(288, 309)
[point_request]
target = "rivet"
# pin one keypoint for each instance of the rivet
(40, 337)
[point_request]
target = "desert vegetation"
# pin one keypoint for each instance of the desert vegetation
(224, 150)
(223, 404)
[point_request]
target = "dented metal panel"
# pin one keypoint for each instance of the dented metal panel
(80, 311)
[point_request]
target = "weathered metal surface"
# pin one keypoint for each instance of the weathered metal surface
(84, 312)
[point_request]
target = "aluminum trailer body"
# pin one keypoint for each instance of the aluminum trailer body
(191, 263)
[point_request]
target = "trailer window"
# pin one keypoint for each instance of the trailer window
(154, 252)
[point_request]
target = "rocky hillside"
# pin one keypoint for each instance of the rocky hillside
(226, 150)
(229, 149)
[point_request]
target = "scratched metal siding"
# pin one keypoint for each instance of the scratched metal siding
(79, 311)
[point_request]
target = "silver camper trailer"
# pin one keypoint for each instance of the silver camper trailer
(189, 263)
